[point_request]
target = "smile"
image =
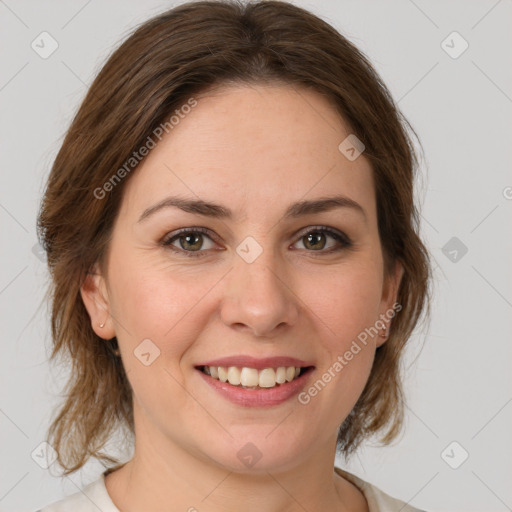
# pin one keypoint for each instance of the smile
(251, 378)
(270, 389)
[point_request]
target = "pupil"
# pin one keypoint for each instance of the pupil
(313, 236)
(189, 237)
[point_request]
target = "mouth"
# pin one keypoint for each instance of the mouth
(254, 379)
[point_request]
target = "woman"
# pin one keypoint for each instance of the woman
(232, 238)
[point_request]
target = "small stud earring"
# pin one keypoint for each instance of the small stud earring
(102, 325)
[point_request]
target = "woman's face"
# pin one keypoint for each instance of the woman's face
(259, 282)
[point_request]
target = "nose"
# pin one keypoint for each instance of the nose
(258, 297)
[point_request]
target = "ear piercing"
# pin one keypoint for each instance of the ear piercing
(115, 351)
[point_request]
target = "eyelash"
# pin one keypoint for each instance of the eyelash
(340, 237)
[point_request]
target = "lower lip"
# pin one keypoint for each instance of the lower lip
(258, 397)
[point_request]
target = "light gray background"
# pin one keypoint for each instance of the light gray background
(458, 387)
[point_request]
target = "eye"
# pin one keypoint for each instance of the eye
(191, 241)
(315, 240)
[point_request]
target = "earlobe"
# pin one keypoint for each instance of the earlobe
(95, 298)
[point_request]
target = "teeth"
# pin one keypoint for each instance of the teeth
(252, 378)
(248, 377)
(234, 375)
(267, 378)
(281, 374)
(223, 374)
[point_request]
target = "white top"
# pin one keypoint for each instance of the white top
(94, 497)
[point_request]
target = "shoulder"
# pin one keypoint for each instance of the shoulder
(378, 501)
(91, 498)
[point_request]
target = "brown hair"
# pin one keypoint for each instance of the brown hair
(158, 68)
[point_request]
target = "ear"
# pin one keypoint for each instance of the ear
(95, 297)
(389, 298)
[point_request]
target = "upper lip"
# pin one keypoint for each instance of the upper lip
(257, 363)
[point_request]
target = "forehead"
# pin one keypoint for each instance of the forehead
(253, 146)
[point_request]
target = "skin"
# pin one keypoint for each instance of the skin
(254, 149)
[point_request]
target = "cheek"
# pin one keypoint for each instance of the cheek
(159, 305)
(151, 302)
(346, 300)
(345, 306)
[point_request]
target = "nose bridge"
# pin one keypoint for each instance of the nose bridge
(258, 295)
(258, 272)
(262, 274)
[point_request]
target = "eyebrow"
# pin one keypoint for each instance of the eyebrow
(218, 211)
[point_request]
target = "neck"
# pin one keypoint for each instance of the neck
(156, 483)
(170, 474)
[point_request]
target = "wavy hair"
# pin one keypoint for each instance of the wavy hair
(160, 65)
